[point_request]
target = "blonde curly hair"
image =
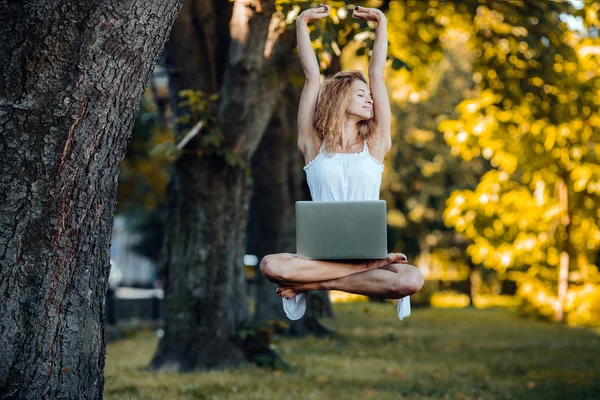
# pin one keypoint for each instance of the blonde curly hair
(332, 105)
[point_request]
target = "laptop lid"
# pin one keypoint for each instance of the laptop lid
(341, 230)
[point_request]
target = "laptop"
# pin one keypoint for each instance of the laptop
(341, 230)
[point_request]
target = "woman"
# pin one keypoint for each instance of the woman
(344, 134)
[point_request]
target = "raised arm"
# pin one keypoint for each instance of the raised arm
(310, 93)
(381, 104)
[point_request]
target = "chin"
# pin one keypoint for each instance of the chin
(364, 116)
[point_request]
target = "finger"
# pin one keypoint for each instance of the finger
(361, 10)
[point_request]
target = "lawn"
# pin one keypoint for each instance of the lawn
(434, 354)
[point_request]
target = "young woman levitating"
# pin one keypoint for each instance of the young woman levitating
(343, 134)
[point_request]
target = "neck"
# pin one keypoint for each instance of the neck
(350, 136)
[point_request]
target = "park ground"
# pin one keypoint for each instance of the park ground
(436, 353)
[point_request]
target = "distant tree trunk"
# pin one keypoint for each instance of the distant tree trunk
(279, 182)
(229, 50)
(564, 235)
(270, 226)
(474, 285)
(196, 52)
(72, 75)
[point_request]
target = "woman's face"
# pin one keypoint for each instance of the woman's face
(361, 103)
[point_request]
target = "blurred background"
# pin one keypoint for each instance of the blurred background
(492, 187)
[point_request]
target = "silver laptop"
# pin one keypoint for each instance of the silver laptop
(341, 230)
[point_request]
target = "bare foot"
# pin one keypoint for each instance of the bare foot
(288, 292)
(392, 258)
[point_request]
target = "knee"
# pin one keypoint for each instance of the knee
(269, 267)
(417, 280)
(409, 283)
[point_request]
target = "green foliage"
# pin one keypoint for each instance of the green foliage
(421, 172)
(142, 179)
(197, 122)
(196, 106)
(165, 150)
(525, 91)
(534, 116)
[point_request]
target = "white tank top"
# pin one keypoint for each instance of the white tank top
(344, 176)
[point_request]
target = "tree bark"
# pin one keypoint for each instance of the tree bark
(195, 54)
(208, 197)
(279, 182)
(271, 226)
(71, 79)
(206, 300)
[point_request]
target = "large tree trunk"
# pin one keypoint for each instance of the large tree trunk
(205, 286)
(206, 298)
(72, 75)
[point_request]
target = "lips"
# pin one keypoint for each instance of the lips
(368, 108)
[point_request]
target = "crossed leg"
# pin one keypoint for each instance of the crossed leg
(387, 278)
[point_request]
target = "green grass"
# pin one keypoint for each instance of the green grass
(433, 354)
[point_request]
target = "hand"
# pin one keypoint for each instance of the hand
(368, 14)
(314, 14)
